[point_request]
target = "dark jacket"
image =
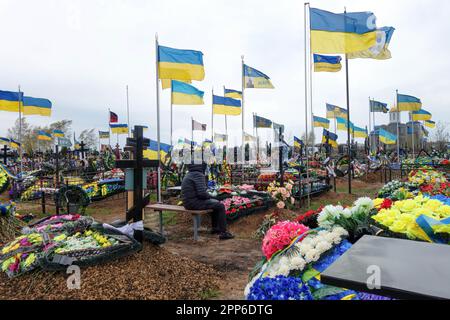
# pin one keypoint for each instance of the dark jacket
(193, 187)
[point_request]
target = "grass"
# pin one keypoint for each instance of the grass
(169, 218)
(209, 294)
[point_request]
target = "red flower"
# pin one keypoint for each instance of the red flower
(387, 204)
(233, 210)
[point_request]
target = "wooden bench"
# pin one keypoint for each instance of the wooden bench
(197, 214)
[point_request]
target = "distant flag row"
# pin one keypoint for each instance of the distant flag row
(10, 101)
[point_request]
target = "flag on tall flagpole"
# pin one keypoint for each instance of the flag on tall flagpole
(430, 124)
(254, 79)
(37, 106)
(152, 152)
(320, 122)
(335, 112)
(180, 64)
(327, 63)
(58, 134)
(226, 106)
(103, 134)
(260, 122)
(329, 137)
(380, 51)
(5, 141)
(342, 33)
(44, 136)
(197, 126)
(113, 117)
(376, 106)
(421, 115)
(386, 137)
(408, 103)
(9, 101)
(186, 94)
(167, 83)
(298, 143)
(229, 93)
(359, 132)
(342, 124)
(119, 128)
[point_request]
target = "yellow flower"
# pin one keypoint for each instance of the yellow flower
(433, 204)
(377, 202)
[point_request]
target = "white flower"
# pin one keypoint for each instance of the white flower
(312, 256)
(323, 246)
(364, 202)
(304, 248)
(284, 261)
(297, 263)
(284, 270)
(347, 213)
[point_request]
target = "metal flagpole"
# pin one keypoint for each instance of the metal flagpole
(212, 115)
(243, 110)
(348, 121)
(370, 124)
(109, 127)
(171, 117)
(412, 138)
(306, 93)
(398, 128)
(192, 140)
(20, 130)
(128, 113)
(158, 118)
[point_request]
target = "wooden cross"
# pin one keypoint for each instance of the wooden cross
(5, 154)
(136, 146)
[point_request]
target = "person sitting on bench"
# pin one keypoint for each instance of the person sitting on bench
(195, 197)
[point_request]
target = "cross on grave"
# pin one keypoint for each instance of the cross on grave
(5, 154)
(136, 146)
(82, 149)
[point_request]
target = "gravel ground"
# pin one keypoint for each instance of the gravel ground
(152, 274)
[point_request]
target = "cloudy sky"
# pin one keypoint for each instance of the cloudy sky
(81, 54)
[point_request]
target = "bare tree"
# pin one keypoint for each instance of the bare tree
(90, 138)
(441, 136)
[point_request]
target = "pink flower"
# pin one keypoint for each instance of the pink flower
(280, 236)
(281, 205)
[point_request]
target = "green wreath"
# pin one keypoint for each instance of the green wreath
(73, 196)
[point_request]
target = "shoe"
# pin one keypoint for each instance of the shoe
(226, 236)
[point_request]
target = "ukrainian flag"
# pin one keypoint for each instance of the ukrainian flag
(408, 103)
(430, 124)
(44, 136)
(103, 134)
(331, 111)
(254, 79)
(380, 51)
(229, 93)
(387, 137)
(376, 106)
(333, 33)
(331, 137)
(185, 94)
(167, 83)
(9, 101)
(260, 122)
(180, 64)
(359, 132)
(14, 144)
(319, 122)
(421, 115)
(152, 152)
(298, 143)
(342, 124)
(226, 106)
(327, 63)
(119, 128)
(5, 141)
(58, 134)
(37, 106)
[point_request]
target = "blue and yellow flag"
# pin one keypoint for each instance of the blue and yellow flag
(117, 128)
(342, 124)
(229, 93)
(333, 33)
(5, 141)
(327, 63)
(58, 134)
(319, 122)
(226, 106)
(408, 103)
(44, 136)
(260, 122)
(152, 152)
(359, 132)
(386, 137)
(330, 137)
(14, 144)
(380, 51)
(180, 64)
(103, 134)
(376, 106)
(167, 83)
(430, 124)
(421, 115)
(254, 79)
(37, 106)
(298, 143)
(185, 94)
(9, 101)
(335, 111)
(220, 137)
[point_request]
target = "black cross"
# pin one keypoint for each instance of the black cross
(136, 146)
(5, 154)
(82, 149)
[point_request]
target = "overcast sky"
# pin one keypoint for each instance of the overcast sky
(81, 54)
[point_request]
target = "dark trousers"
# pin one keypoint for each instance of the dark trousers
(218, 216)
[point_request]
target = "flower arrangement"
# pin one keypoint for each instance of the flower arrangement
(280, 236)
(82, 241)
(21, 255)
(436, 189)
(236, 204)
(4, 181)
(397, 190)
(69, 224)
(309, 218)
(279, 288)
(426, 175)
(282, 195)
(402, 217)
